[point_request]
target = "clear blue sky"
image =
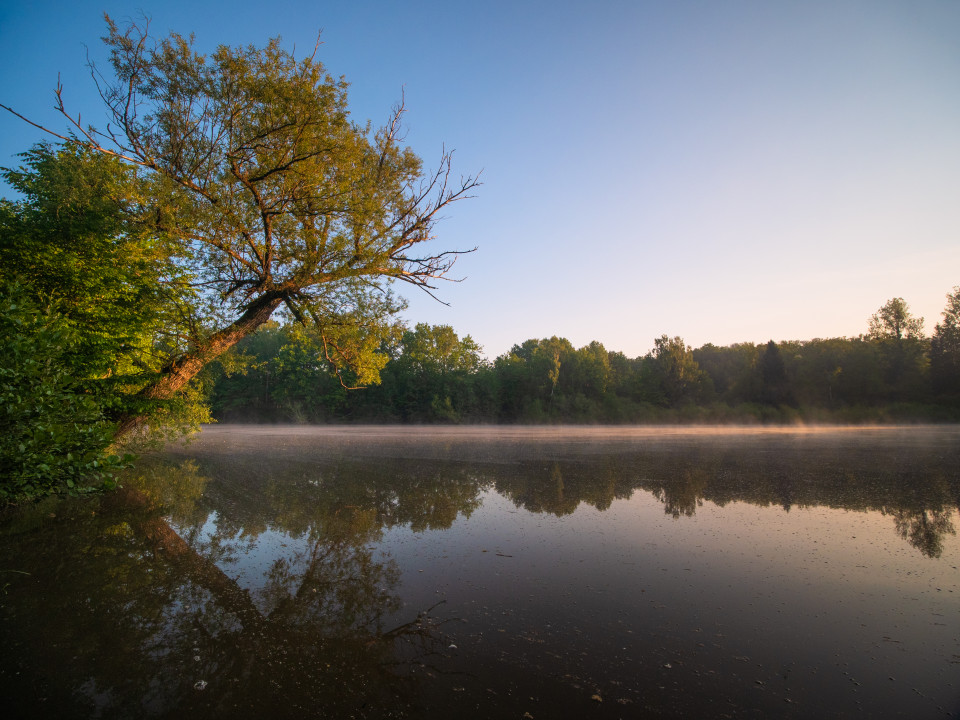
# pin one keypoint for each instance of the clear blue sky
(722, 171)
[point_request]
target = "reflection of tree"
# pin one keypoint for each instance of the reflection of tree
(683, 495)
(559, 487)
(315, 619)
(924, 529)
(539, 492)
(165, 573)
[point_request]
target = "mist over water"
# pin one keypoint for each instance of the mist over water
(497, 571)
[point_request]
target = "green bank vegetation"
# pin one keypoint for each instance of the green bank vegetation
(892, 373)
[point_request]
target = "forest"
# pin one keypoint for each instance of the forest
(891, 373)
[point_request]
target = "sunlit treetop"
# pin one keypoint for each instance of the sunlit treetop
(272, 195)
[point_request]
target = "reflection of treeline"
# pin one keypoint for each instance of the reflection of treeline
(919, 491)
(432, 375)
(428, 485)
(919, 496)
(149, 594)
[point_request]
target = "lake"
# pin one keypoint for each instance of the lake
(496, 572)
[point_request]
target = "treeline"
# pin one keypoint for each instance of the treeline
(431, 375)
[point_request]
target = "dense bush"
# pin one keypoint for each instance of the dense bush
(53, 434)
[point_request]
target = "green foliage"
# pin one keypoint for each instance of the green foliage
(305, 386)
(730, 370)
(76, 242)
(91, 303)
(53, 435)
(774, 383)
(670, 375)
(945, 353)
(902, 347)
(78, 245)
(293, 373)
(227, 187)
(534, 378)
(436, 349)
(433, 376)
(894, 322)
(835, 373)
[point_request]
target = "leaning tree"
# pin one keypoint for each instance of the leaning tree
(268, 194)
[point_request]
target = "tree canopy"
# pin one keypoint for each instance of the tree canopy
(76, 245)
(945, 350)
(89, 308)
(894, 321)
(266, 194)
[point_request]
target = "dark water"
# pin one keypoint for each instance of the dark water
(502, 573)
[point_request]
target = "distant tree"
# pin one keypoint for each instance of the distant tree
(623, 372)
(549, 356)
(265, 189)
(862, 375)
(438, 349)
(509, 371)
(945, 352)
(589, 372)
(671, 375)
(530, 376)
(433, 374)
(834, 372)
(582, 380)
(900, 337)
(774, 384)
(893, 321)
(243, 390)
(302, 379)
(730, 370)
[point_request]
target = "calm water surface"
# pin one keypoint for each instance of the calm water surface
(496, 572)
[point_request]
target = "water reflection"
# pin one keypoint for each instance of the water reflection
(165, 565)
(918, 489)
(230, 578)
(924, 529)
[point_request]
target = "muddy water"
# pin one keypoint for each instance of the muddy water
(496, 572)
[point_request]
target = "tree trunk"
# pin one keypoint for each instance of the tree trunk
(166, 544)
(183, 369)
